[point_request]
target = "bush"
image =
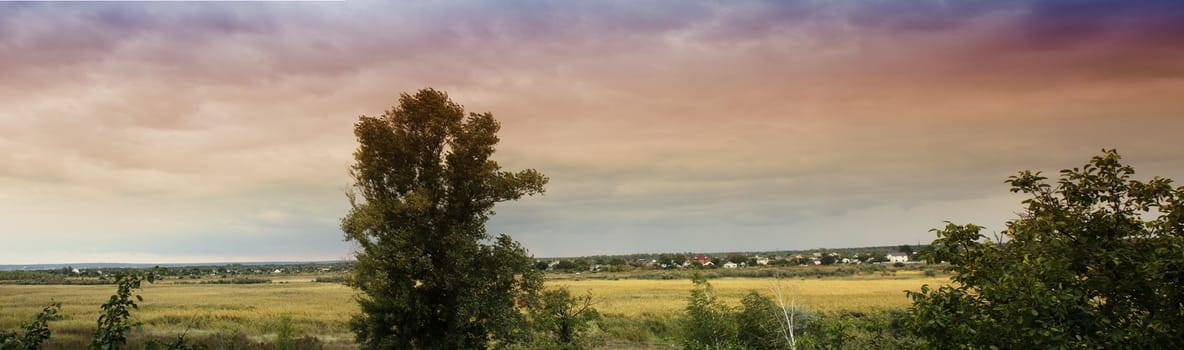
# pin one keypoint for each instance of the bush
(710, 324)
(115, 323)
(330, 279)
(759, 323)
(35, 332)
(564, 320)
(1094, 262)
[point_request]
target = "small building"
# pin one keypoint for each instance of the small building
(699, 258)
(898, 258)
(730, 265)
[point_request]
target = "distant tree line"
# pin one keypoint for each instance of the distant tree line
(667, 261)
(225, 273)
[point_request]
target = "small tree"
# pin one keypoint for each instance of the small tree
(1096, 261)
(115, 323)
(710, 324)
(787, 311)
(431, 277)
(759, 326)
(565, 319)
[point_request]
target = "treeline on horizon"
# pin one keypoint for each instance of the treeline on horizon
(826, 256)
(232, 273)
(764, 253)
(209, 274)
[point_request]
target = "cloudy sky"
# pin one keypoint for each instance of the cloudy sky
(208, 131)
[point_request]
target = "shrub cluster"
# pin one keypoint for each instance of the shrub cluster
(760, 323)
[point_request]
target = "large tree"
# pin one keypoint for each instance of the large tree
(430, 274)
(1094, 261)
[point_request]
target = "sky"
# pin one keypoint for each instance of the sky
(160, 132)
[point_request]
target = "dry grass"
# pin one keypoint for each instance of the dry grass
(323, 309)
(316, 309)
(666, 298)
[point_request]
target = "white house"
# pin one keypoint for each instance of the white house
(730, 265)
(898, 258)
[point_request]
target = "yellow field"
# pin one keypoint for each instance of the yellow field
(323, 309)
(669, 297)
(317, 309)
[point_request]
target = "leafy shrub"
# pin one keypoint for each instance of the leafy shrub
(35, 333)
(115, 322)
(759, 323)
(1095, 261)
(710, 324)
(330, 279)
(285, 334)
(564, 320)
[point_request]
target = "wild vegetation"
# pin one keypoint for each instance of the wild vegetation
(632, 313)
(1094, 261)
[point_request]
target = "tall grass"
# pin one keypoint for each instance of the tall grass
(635, 311)
(200, 310)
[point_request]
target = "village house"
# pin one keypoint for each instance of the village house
(644, 262)
(699, 258)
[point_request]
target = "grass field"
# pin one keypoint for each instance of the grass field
(637, 297)
(323, 309)
(316, 309)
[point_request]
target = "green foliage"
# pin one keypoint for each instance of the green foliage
(35, 333)
(564, 320)
(285, 334)
(879, 330)
(710, 324)
(32, 277)
(115, 323)
(1095, 262)
(179, 344)
(239, 280)
(571, 265)
(759, 323)
(828, 334)
(430, 275)
(330, 279)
